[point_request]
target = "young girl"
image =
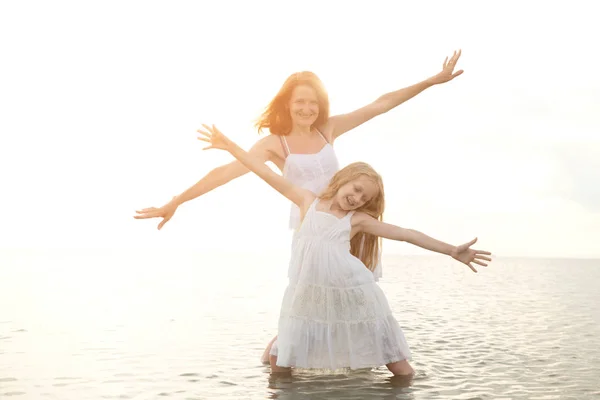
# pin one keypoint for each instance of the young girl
(334, 315)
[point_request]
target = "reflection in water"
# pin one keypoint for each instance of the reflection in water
(135, 326)
(354, 385)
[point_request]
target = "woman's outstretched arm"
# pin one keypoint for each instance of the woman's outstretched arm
(214, 179)
(340, 124)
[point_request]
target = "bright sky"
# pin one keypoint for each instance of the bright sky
(100, 102)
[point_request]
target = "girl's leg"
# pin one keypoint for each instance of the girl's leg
(400, 368)
(278, 370)
(267, 353)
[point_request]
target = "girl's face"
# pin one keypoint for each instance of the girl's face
(304, 106)
(356, 193)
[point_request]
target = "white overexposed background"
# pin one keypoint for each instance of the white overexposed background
(99, 103)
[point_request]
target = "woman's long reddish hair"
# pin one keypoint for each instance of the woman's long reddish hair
(276, 117)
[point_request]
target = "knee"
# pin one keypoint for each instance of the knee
(402, 368)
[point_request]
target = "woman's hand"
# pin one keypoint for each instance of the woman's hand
(447, 73)
(214, 137)
(165, 212)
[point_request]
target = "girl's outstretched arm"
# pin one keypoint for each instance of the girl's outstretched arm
(342, 123)
(463, 253)
(299, 196)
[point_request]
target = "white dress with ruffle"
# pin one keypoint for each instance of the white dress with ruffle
(334, 315)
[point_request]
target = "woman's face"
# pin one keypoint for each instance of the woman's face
(304, 106)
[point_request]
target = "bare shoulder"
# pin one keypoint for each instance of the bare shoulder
(360, 219)
(308, 198)
(272, 145)
(269, 142)
(327, 129)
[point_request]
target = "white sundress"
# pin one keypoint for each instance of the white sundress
(334, 315)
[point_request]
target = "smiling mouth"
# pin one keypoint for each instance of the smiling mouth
(349, 201)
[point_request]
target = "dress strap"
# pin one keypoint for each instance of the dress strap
(323, 136)
(286, 148)
(314, 203)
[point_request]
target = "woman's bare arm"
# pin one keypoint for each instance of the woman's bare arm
(340, 124)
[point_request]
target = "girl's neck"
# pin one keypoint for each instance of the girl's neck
(331, 205)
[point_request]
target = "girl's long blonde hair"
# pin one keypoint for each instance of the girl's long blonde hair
(364, 246)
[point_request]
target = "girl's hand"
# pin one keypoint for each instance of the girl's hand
(466, 255)
(214, 136)
(448, 73)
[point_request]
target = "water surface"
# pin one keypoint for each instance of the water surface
(181, 325)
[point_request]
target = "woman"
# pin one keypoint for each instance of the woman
(300, 114)
(301, 139)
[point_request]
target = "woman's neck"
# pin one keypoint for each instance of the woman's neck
(301, 131)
